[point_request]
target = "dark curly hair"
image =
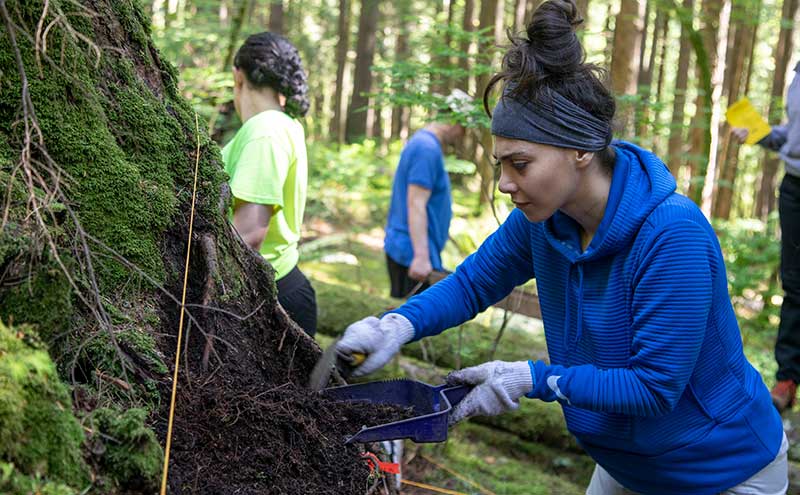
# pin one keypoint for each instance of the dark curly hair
(270, 60)
(550, 58)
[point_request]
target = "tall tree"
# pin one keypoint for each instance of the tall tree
(677, 134)
(700, 133)
(738, 70)
(583, 8)
(765, 199)
(343, 28)
(276, 16)
(520, 10)
(491, 19)
(356, 128)
(401, 113)
(236, 30)
(626, 51)
(467, 26)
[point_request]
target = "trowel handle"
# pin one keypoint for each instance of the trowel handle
(456, 394)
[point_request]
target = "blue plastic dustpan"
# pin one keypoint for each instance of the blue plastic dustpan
(432, 406)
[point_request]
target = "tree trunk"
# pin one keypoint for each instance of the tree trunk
(401, 114)
(341, 64)
(699, 139)
(236, 30)
(625, 54)
(662, 68)
(356, 128)
(276, 16)
(737, 72)
(765, 199)
(101, 155)
(520, 9)
(677, 134)
(645, 82)
(491, 17)
(468, 26)
(583, 8)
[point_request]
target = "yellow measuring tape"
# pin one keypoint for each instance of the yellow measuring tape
(431, 487)
(483, 490)
(183, 307)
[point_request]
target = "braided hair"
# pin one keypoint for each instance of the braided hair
(270, 60)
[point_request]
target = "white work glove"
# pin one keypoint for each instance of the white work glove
(378, 339)
(498, 387)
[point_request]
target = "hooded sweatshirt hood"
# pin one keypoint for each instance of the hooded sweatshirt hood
(640, 182)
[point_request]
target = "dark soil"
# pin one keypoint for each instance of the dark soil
(248, 423)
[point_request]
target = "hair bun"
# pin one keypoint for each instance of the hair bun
(551, 37)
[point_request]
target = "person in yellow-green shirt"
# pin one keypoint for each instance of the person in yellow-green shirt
(267, 165)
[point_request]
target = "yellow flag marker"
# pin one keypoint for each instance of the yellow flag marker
(743, 114)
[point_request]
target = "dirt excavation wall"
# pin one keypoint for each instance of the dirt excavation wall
(97, 152)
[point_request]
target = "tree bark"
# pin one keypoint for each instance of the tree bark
(701, 122)
(677, 135)
(276, 16)
(765, 199)
(236, 30)
(401, 114)
(468, 26)
(737, 75)
(341, 63)
(625, 54)
(356, 128)
(491, 15)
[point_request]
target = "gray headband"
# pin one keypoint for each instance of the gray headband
(557, 123)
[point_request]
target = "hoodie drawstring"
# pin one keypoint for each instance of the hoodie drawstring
(568, 314)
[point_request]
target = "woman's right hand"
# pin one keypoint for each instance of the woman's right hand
(378, 339)
(740, 133)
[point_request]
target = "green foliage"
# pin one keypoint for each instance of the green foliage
(12, 482)
(752, 257)
(38, 433)
(351, 184)
(127, 450)
(414, 81)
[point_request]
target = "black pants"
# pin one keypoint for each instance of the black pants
(787, 347)
(402, 286)
(299, 300)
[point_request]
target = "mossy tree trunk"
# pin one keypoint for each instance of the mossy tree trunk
(97, 158)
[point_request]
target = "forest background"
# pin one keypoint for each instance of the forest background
(376, 70)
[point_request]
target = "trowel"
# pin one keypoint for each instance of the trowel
(329, 360)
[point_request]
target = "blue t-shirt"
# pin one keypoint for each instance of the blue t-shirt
(422, 164)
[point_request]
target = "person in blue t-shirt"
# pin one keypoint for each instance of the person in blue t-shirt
(645, 355)
(419, 213)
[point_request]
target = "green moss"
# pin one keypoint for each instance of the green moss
(129, 451)
(101, 354)
(38, 432)
(44, 299)
(12, 482)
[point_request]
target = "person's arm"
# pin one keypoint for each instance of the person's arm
(775, 139)
(503, 262)
(417, 201)
(251, 220)
(670, 305)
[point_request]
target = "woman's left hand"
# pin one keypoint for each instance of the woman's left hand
(498, 387)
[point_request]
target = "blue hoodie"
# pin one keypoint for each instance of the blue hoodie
(645, 353)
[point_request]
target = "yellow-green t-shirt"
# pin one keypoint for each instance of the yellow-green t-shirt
(266, 162)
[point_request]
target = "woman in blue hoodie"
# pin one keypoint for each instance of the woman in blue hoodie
(645, 353)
